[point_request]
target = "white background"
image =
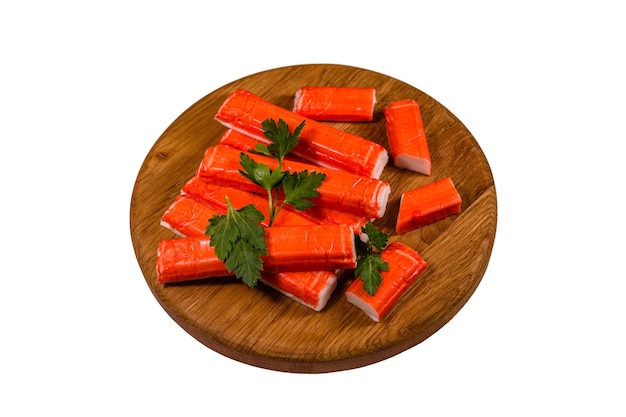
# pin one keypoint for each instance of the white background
(85, 90)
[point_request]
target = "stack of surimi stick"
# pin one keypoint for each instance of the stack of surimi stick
(307, 249)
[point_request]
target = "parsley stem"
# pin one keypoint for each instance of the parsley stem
(270, 205)
(280, 206)
(272, 200)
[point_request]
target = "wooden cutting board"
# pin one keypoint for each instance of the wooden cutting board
(261, 327)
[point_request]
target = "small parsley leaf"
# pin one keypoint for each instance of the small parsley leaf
(368, 269)
(239, 241)
(377, 238)
(260, 174)
(300, 186)
(282, 140)
(370, 262)
(263, 150)
(245, 261)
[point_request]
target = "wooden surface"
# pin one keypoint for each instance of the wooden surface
(263, 328)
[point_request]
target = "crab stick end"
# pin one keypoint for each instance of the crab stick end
(297, 100)
(325, 294)
(427, 204)
(420, 165)
(171, 228)
(381, 163)
(335, 104)
(309, 295)
(383, 199)
(361, 304)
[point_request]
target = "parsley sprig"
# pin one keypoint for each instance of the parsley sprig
(237, 236)
(297, 187)
(370, 262)
(282, 140)
(239, 241)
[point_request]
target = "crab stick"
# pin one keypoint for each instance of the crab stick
(427, 204)
(215, 196)
(405, 265)
(187, 217)
(290, 249)
(319, 143)
(335, 104)
(359, 195)
(406, 136)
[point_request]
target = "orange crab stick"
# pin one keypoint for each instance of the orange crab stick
(335, 104)
(292, 248)
(187, 217)
(319, 143)
(360, 195)
(406, 135)
(215, 196)
(405, 265)
(427, 204)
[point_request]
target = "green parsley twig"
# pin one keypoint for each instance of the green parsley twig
(298, 188)
(369, 260)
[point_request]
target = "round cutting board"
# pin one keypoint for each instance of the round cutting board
(260, 326)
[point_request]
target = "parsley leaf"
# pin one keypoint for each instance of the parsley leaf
(300, 186)
(368, 269)
(377, 238)
(239, 241)
(260, 174)
(282, 140)
(245, 261)
(370, 263)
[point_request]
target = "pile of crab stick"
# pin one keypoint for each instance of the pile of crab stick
(308, 249)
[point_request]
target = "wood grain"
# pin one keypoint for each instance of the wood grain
(261, 327)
